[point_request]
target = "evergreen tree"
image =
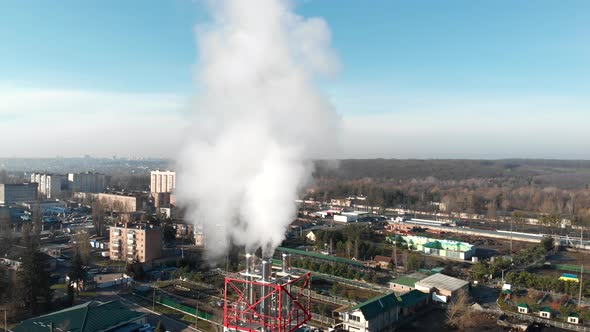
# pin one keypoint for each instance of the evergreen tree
(70, 295)
(34, 280)
(77, 272)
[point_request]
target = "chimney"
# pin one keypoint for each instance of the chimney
(286, 263)
(249, 262)
(266, 269)
(266, 278)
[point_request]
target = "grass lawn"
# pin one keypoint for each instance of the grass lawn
(59, 286)
(88, 294)
(109, 263)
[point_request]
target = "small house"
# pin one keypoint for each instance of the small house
(311, 236)
(383, 262)
(507, 294)
(524, 308)
(403, 284)
(545, 312)
(573, 318)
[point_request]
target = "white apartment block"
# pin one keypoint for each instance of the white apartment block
(162, 181)
(50, 185)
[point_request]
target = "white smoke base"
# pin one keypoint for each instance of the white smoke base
(257, 121)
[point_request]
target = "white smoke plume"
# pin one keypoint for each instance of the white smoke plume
(258, 119)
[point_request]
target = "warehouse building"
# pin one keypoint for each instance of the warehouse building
(442, 287)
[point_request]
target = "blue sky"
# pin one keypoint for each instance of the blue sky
(409, 70)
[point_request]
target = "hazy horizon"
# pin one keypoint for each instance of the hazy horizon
(416, 81)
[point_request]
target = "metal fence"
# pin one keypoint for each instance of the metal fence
(558, 324)
(330, 299)
(323, 319)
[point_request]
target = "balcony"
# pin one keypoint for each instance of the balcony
(131, 242)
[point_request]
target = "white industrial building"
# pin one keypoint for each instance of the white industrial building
(351, 216)
(442, 287)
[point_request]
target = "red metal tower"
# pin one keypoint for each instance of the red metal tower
(267, 301)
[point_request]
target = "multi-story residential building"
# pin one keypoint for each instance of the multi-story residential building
(87, 182)
(162, 181)
(199, 236)
(183, 230)
(18, 193)
(161, 200)
(128, 202)
(139, 242)
(51, 185)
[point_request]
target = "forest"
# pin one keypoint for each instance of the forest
(486, 187)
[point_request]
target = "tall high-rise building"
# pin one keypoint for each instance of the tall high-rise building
(87, 182)
(142, 243)
(18, 193)
(50, 185)
(162, 181)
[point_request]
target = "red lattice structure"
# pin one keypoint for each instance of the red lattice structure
(280, 305)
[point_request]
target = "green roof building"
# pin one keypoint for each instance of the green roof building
(573, 318)
(545, 312)
(403, 284)
(382, 313)
(91, 316)
(440, 247)
(523, 308)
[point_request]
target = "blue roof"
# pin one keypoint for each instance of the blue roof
(568, 275)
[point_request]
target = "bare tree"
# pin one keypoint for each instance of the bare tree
(83, 248)
(458, 310)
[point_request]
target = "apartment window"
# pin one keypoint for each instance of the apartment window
(354, 318)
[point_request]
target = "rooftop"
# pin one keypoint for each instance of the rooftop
(412, 297)
(406, 281)
(385, 259)
(373, 307)
(86, 317)
(442, 281)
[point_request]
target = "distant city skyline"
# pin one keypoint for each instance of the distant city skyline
(418, 79)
